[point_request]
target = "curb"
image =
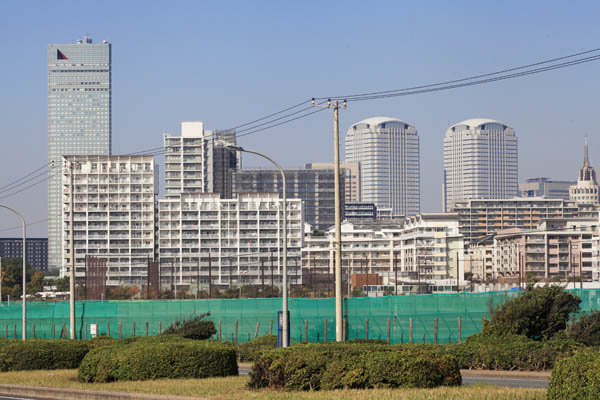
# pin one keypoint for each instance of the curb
(52, 393)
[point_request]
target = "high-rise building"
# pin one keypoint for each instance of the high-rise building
(388, 152)
(113, 215)
(480, 161)
(198, 161)
(351, 172)
(586, 190)
(79, 118)
(546, 188)
(36, 250)
(315, 187)
(204, 239)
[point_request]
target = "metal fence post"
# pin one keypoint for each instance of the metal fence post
(410, 330)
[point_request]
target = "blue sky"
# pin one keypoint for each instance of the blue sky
(229, 62)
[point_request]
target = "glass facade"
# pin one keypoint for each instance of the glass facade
(79, 118)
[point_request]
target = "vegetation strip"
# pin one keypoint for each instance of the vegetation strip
(235, 388)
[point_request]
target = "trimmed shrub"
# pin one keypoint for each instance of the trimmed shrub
(587, 329)
(510, 352)
(192, 328)
(18, 355)
(164, 357)
(251, 351)
(100, 341)
(576, 377)
(353, 365)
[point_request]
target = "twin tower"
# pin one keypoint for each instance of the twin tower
(480, 161)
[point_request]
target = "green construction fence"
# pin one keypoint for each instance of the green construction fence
(310, 319)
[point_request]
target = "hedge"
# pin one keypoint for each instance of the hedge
(510, 352)
(18, 355)
(251, 351)
(160, 357)
(356, 366)
(576, 377)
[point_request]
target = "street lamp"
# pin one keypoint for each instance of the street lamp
(24, 334)
(284, 283)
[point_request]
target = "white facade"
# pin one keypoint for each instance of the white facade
(188, 161)
(480, 162)
(388, 152)
(426, 248)
(237, 237)
(113, 210)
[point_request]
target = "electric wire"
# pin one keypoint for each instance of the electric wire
(28, 187)
(464, 79)
(26, 176)
(45, 172)
(26, 224)
(477, 82)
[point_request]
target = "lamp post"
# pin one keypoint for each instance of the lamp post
(24, 334)
(285, 282)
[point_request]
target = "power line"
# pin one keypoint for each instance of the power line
(20, 226)
(12, 187)
(26, 176)
(504, 71)
(478, 82)
(28, 187)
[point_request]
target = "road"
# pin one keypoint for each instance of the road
(505, 381)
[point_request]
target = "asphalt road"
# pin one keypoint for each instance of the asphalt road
(508, 382)
(9, 397)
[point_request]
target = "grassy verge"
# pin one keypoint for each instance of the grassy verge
(235, 388)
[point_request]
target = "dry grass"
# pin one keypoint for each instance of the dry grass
(235, 388)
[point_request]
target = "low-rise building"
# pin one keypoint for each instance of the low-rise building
(479, 220)
(421, 250)
(557, 249)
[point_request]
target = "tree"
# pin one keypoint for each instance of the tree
(538, 313)
(36, 283)
(192, 328)
(122, 292)
(62, 284)
(587, 329)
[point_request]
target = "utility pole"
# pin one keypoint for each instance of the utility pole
(72, 254)
(262, 274)
(339, 317)
(395, 274)
(209, 276)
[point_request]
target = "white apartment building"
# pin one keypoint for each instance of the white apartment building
(426, 248)
(197, 161)
(239, 239)
(480, 161)
(113, 214)
(388, 152)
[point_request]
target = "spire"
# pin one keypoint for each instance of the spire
(586, 160)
